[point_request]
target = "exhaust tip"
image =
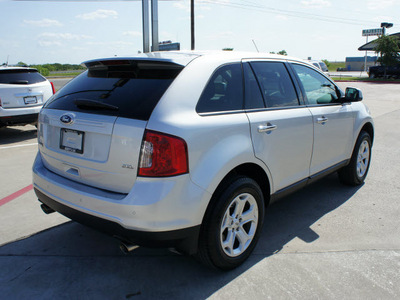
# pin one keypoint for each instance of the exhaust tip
(127, 247)
(46, 209)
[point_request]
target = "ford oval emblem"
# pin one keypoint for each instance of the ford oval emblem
(67, 119)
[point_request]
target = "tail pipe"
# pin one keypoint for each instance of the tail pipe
(127, 247)
(46, 209)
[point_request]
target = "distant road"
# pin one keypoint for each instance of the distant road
(59, 82)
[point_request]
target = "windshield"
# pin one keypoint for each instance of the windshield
(20, 76)
(130, 91)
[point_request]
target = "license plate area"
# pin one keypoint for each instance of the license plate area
(30, 100)
(72, 140)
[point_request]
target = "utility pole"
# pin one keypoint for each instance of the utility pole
(154, 25)
(146, 27)
(192, 23)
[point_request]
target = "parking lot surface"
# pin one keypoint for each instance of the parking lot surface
(327, 241)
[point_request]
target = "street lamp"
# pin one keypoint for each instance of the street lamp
(386, 25)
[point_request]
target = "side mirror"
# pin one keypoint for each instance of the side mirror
(353, 95)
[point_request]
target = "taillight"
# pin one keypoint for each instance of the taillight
(162, 155)
(52, 87)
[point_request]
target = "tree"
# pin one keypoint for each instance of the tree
(388, 47)
(22, 64)
(282, 52)
(326, 62)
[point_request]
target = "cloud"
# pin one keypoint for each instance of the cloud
(63, 36)
(43, 23)
(379, 4)
(200, 5)
(220, 35)
(379, 19)
(98, 14)
(132, 33)
(52, 39)
(49, 43)
(316, 3)
(281, 17)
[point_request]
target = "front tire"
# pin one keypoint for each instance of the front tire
(356, 171)
(232, 224)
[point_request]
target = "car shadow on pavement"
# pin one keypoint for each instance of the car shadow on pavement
(15, 134)
(72, 261)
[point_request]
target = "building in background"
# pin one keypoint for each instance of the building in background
(358, 63)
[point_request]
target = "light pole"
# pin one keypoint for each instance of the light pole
(386, 25)
(192, 23)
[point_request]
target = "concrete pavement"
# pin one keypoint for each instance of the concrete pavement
(327, 241)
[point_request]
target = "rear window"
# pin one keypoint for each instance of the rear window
(22, 76)
(130, 90)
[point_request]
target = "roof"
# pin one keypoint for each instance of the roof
(2, 68)
(371, 45)
(183, 58)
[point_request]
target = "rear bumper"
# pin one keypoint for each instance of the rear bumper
(157, 212)
(183, 239)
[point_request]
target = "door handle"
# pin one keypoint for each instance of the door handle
(322, 120)
(267, 128)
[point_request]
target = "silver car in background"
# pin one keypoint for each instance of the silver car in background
(23, 91)
(185, 150)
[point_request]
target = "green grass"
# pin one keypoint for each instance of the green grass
(334, 65)
(365, 79)
(71, 74)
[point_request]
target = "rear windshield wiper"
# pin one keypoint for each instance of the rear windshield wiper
(93, 104)
(19, 82)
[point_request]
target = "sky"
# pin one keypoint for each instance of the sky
(38, 32)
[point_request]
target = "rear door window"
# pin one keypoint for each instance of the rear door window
(224, 91)
(276, 85)
(22, 76)
(129, 90)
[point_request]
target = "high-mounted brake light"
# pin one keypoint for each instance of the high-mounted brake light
(162, 155)
(52, 87)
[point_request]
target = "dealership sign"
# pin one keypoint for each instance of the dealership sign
(370, 32)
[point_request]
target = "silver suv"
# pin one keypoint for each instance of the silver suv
(186, 150)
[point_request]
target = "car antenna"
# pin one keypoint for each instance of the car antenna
(255, 46)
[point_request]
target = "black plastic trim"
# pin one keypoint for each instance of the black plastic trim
(184, 240)
(309, 180)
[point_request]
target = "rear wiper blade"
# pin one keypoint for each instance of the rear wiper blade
(19, 82)
(93, 104)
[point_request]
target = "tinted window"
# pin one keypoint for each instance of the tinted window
(276, 84)
(253, 94)
(130, 91)
(22, 76)
(224, 91)
(319, 89)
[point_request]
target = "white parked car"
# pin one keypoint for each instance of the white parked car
(23, 91)
(186, 150)
(319, 64)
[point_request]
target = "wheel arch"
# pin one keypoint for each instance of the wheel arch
(251, 170)
(369, 128)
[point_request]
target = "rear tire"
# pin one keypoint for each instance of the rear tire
(232, 224)
(356, 171)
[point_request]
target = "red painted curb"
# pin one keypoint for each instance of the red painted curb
(16, 194)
